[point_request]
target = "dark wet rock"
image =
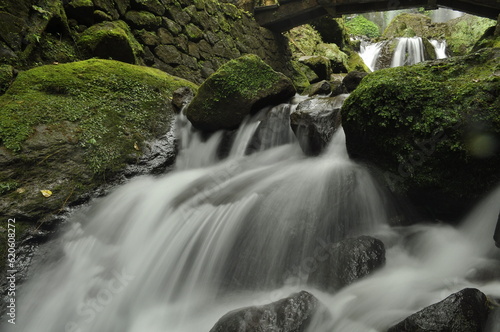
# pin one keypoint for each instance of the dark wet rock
(348, 261)
(320, 88)
(465, 311)
(292, 314)
(352, 80)
(181, 97)
(319, 64)
(315, 121)
(240, 87)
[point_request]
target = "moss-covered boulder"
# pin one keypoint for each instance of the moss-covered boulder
(411, 25)
(111, 40)
(490, 38)
(6, 77)
(239, 88)
(433, 128)
(464, 32)
(68, 128)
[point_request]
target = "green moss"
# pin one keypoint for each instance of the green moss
(81, 3)
(113, 103)
(360, 26)
(356, 63)
(7, 186)
(465, 31)
(6, 77)
(111, 40)
(238, 88)
(245, 77)
(299, 78)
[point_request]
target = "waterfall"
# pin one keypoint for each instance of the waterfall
(370, 52)
(176, 252)
(408, 52)
(155, 252)
(440, 48)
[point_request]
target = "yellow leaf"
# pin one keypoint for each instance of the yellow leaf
(136, 146)
(46, 193)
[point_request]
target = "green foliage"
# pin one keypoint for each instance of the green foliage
(113, 103)
(7, 186)
(360, 26)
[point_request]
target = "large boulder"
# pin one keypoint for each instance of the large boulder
(69, 128)
(432, 128)
(348, 261)
(292, 314)
(465, 311)
(315, 121)
(239, 88)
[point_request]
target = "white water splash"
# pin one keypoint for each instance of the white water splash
(440, 48)
(408, 52)
(175, 253)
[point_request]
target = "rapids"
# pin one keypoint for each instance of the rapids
(176, 252)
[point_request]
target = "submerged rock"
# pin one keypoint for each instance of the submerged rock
(239, 88)
(292, 314)
(315, 121)
(433, 128)
(348, 261)
(465, 311)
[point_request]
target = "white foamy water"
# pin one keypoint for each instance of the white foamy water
(176, 252)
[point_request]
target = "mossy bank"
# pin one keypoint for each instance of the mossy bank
(69, 128)
(434, 128)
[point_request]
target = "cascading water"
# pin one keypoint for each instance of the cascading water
(176, 252)
(370, 52)
(440, 48)
(408, 52)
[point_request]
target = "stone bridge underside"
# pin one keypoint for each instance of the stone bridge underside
(292, 13)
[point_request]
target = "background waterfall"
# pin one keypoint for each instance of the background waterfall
(176, 252)
(408, 51)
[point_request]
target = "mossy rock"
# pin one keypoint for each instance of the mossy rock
(143, 20)
(319, 64)
(68, 128)
(333, 31)
(6, 77)
(408, 25)
(464, 32)
(433, 128)
(111, 40)
(299, 77)
(80, 10)
(238, 88)
(356, 63)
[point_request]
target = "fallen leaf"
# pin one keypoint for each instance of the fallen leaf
(20, 190)
(46, 193)
(136, 146)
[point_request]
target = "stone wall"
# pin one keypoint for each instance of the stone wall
(185, 38)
